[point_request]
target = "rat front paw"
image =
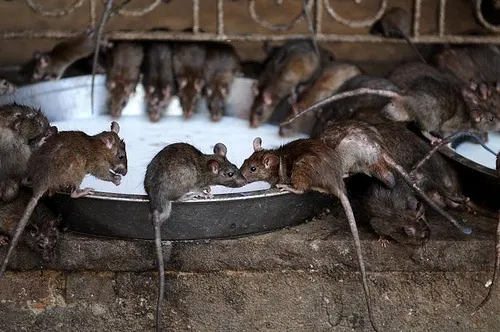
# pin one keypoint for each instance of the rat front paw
(4, 239)
(288, 188)
(116, 179)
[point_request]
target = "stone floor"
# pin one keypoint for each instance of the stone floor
(299, 279)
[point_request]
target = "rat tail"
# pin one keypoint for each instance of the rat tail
(407, 178)
(341, 95)
(496, 268)
(158, 219)
(451, 138)
(357, 244)
(19, 230)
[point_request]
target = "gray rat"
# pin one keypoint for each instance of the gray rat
(178, 172)
(327, 83)
(396, 213)
(189, 59)
(158, 80)
(63, 161)
(22, 130)
(222, 64)
(123, 74)
(42, 236)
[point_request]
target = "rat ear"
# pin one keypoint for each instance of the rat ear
(271, 160)
(108, 141)
(473, 84)
(33, 229)
(111, 84)
(115, 127)
(420, 210)
(220, 149)
(410, 231)
(37, 55)
(255, 89)
(224, 91)
(43, 60)
(166, 91)
(182, 82)
(213, 165)
(476, 115)
(267, 97)
(198, 84)
(257, 144)
(209, 91)
(484, 90)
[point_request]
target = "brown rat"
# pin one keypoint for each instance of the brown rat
(222, 63)
(63, 161)
(43, 234)
(304, 165)
(396, 23)
(294, 63)
(327, 83)
(178, 172)
(51, 65)
(22, 130)
(158, 78)
(189, 60)
(123, 74)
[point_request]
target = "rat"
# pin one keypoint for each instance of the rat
(123, 74)
(350, 107)
(189, 59)
(158, 78)
(51, 65)
(179, 172)
(222, 63)
(295, 63)
(304, 165)
(397, 213)
(328, 82)
(396, 23)
(6, 87)
(63, 161)
(43, 233)
(23, 129)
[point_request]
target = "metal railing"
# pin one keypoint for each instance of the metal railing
(317, 7)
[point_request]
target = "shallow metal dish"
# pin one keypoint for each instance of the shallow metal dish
(479, 182)
(126, 216)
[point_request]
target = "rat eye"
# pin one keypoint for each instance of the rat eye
(121, 156)
(230, 174)
(253, 169)
(124, 103)
(41, 245)
(492, 118)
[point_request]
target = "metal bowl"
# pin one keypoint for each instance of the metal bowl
(479, 182)
(126, 216)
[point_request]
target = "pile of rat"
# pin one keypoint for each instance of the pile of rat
(358, 124)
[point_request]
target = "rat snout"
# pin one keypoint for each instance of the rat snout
(215, 117)
(120, 169)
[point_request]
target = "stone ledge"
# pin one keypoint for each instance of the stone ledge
(244, 301)
(323, 244)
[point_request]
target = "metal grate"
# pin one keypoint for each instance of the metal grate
(317, 8)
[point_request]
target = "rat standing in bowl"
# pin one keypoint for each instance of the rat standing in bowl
(179, 172)
(63, 161)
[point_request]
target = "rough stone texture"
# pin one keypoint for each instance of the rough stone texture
(298, 279)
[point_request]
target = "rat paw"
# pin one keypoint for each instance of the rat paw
(288, 188)
(116, 179)
(77, 193)
(383, 242)
(4, 239)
